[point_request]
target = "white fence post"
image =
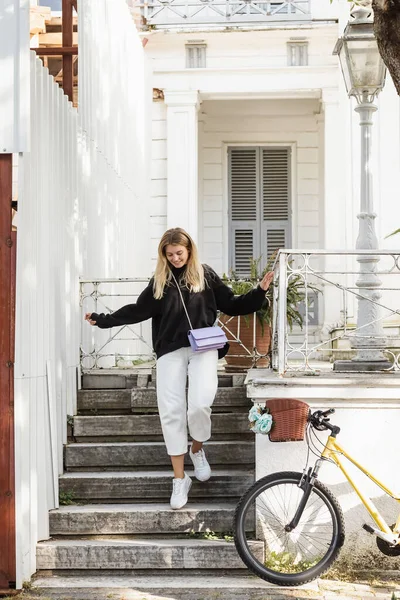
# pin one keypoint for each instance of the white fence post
(282, 321)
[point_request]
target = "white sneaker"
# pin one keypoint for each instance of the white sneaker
(202, 470)
(180, 492)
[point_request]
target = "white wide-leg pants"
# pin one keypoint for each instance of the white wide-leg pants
(176, 416)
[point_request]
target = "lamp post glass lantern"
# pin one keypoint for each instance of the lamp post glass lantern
(364, 75)
(362, 66)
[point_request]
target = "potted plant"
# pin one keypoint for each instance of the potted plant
(250, 343)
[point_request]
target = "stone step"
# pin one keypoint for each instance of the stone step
(128, 553)
(145, 400)
(140, 519)
(143, 455)
(125, 378)
(105, 400)
(130, 486)
(174, 586)
(135, 427)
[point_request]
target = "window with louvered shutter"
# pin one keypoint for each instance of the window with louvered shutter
(259, 204)
(243, 207)
(196, 56)
(244, 190)
(275, 198)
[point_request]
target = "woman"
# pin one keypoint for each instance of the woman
(204, 294)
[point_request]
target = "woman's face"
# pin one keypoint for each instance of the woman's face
(177, 255)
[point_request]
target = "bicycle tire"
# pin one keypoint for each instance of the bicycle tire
(261, 569)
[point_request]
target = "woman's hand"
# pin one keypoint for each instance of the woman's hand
(88, 319)
(266, 280)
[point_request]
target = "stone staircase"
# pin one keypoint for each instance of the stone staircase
(118, 478)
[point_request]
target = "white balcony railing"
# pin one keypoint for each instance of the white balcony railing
(164, 13)
(336, 333)
(131, 345)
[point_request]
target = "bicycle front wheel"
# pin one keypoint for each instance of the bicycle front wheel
(288, 557)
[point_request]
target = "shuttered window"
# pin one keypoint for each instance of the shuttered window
(259, 204)
(196, 56)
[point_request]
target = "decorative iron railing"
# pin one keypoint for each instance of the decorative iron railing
(359, 311)
(213, 12)
(130, 345)
(119, 346)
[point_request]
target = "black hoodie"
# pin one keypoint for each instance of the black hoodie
(169, 322)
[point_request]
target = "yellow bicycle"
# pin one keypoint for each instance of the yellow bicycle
(289, 527)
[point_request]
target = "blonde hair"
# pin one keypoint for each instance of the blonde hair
(193, 277)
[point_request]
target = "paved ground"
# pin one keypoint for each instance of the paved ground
(227, 590)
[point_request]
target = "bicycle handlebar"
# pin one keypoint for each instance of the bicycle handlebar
(320, 421)
(330, 411)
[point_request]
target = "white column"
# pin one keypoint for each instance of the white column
(334, 171)
(182, 153)
(334, 193)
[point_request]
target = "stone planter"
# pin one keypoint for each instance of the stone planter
(241, 339)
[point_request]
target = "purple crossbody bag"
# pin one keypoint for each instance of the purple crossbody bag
(205, 338)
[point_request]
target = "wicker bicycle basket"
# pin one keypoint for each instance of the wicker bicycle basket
(289, 419)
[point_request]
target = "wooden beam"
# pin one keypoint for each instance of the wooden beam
(44, 11)
(60, 51)
(37, 24)
(67, 40)
(57, 21)
(59, 75)
(7, 334)
(56, 39)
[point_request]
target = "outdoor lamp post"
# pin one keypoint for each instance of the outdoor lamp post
(364, 75)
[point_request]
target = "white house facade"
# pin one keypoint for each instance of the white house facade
(229, 119)
(247, 96)
(255, 143)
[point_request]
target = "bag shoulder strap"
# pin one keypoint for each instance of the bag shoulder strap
(183, 302)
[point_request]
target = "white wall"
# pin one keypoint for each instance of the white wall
(224, 119)
(158, 177)
(386, 149)
(47, 309)
(294, 123)
(290, 123)
(236, 49)
(114, 109)
(14, 80)
(370, 435)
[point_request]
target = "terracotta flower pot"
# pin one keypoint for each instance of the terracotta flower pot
(241, 340)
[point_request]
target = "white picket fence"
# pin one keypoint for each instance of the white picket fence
(83, 209)
(47, 308)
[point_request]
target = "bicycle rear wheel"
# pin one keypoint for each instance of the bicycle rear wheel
(279, 556)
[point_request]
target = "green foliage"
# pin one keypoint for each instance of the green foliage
(295, 292)
(393, 233)
(67, 498)
(27, 585)
(284, 562)
(207, 534)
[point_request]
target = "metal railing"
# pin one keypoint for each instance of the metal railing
(125, 346)
(131, 345)
(358, 308)
(214, 12)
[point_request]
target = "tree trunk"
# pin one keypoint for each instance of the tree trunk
(387, 32)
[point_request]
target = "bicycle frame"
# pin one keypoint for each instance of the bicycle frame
(332, 451)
